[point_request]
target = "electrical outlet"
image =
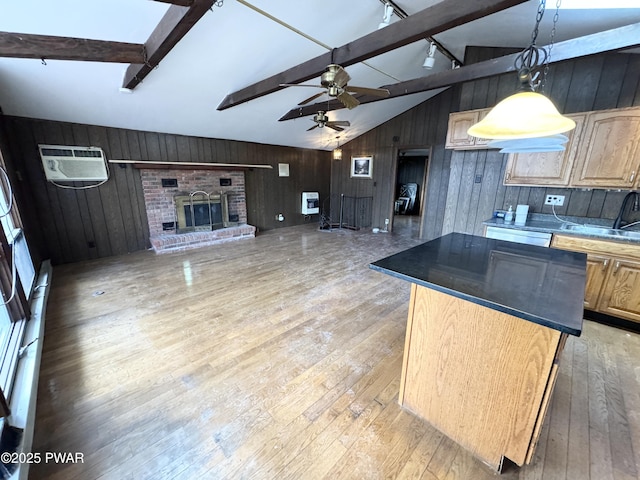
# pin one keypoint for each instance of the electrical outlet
(554, 200)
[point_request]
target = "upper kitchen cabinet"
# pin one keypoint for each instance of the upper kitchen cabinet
(608, 152)
(459, 123)
(545, 168)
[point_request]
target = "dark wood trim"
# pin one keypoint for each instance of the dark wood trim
(428, 22)
(47, 47)
(189, 165)
(611, 320)
(175, 24)
(610, 40)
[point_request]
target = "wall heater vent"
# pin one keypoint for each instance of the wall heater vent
(81, 164)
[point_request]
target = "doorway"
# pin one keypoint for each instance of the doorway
(412, 165)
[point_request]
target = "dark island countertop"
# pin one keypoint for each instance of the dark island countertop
(538, 284)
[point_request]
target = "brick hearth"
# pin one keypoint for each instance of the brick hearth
(185, 241)
(161, 208)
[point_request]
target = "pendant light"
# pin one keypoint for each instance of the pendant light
(527, 113)
(337, 152)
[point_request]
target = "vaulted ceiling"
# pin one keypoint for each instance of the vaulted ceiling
(213, 69)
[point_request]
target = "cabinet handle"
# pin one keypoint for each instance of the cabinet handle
(633, 176)
(605, 264)
(508, 175)
(616, 267)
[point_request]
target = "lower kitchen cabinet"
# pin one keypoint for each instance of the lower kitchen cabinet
(613, 275)
(621, 294)
(597, 266)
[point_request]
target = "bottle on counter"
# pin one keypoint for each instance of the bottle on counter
(508, 217)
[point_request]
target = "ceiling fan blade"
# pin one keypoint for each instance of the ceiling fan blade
(315, 126)
(341, 77)
(378, 92)
(337, 129)
(340, 123)
(313, 97)
(348, 100)
(300, 85)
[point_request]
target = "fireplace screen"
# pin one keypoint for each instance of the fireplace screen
(203, 214)
(200, 211)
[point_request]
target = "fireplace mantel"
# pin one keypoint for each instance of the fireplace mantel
(155, 164)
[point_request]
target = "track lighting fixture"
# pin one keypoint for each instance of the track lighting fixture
(386, 17)
(431, 56)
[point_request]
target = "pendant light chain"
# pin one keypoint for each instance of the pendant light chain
(532, 57)
(551, 39)
(539, 15)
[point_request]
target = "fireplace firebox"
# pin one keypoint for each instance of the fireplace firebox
(201, 211)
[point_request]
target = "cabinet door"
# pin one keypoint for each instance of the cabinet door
(608, 152)
(545, 168)
(621, 295)
(459, 123)
(482, 142)
(596, 273)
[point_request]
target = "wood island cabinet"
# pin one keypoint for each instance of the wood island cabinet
(486, 326)
(545, 168)
(613, 275)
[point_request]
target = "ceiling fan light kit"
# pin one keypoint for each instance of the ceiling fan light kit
(321, 120)
(527, 114)
(334, 82)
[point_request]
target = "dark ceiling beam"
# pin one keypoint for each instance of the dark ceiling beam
(47, 47)
(182, 3)
(607, 41)
(175, 24)
(428, 22)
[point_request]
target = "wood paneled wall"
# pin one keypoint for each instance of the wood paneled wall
(73, 225)
(420, 127)
(454, 201)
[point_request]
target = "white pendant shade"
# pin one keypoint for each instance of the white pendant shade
(522, 115)
(547, 148)
(552, 140)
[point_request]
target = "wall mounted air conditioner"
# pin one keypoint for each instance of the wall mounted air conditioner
(81, 164)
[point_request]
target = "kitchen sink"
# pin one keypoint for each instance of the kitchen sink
(600, 230)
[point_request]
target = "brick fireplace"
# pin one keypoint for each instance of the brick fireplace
(161, 188)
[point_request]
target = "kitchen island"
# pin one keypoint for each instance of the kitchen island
(487, 322)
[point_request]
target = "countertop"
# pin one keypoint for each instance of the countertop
(539, 222)
(538, 284)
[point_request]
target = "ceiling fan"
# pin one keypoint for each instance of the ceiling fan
(334, 81)
(322, 120)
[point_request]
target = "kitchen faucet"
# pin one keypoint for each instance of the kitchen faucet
(618, 221)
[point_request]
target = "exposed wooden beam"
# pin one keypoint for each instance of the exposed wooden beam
(183, 3)
(22, 45)
(175, 24)
(607, 41)
(430, 21)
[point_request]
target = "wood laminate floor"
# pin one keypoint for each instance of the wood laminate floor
(279, 357)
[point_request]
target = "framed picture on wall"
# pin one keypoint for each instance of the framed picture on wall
(361, 167)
